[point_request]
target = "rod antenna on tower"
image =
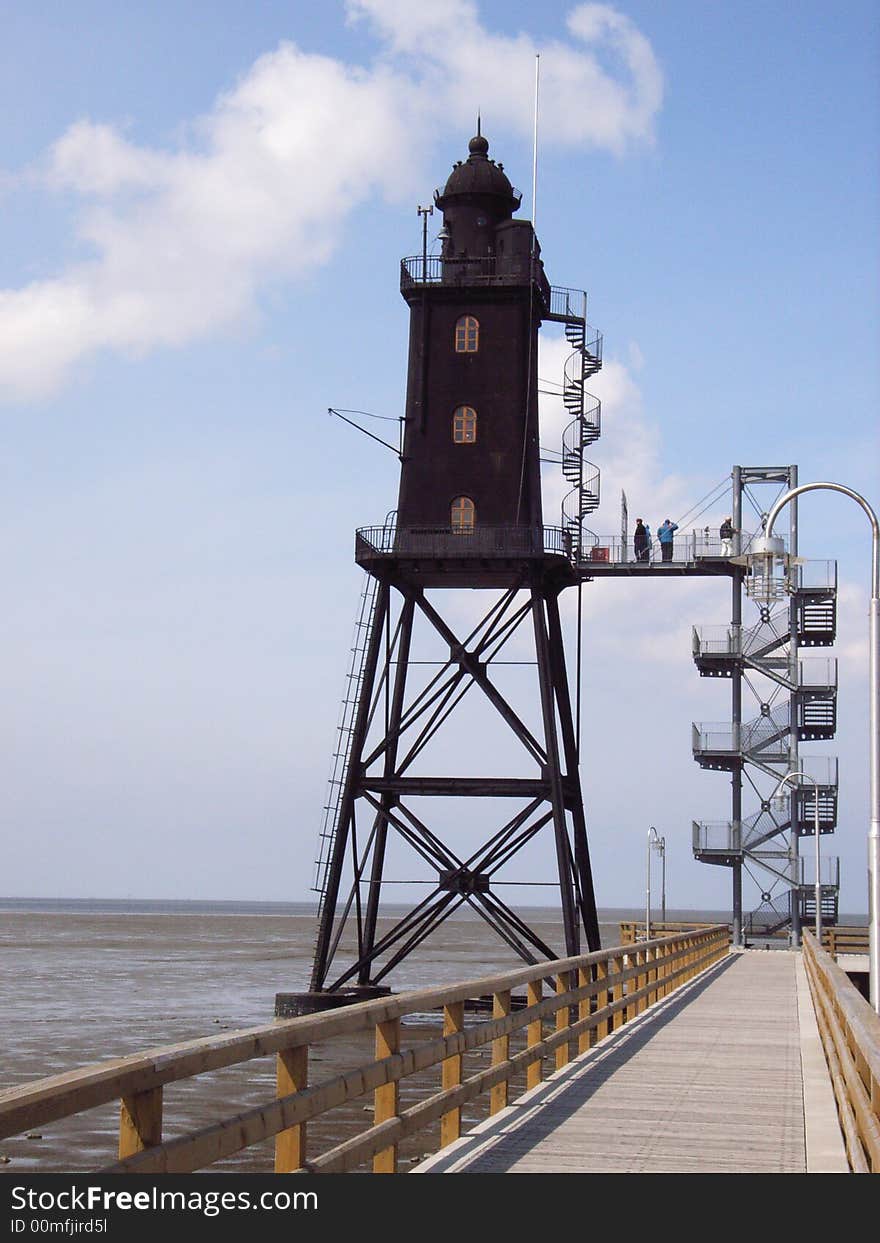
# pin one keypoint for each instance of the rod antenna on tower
(535, 150)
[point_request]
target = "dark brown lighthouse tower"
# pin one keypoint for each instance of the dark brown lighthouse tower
(468, 516)
(472, 398)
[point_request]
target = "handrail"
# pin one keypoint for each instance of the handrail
(632, 931)
(594, 994)
(850, 1032)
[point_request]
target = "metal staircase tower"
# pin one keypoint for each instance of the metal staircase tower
(793, 700)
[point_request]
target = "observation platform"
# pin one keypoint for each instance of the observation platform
(692, 553)
(441, 556)
(489, 555)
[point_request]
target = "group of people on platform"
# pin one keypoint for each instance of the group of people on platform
(642, 542)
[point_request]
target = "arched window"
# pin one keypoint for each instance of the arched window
(463, 514)
(467, 335)
(464, 425)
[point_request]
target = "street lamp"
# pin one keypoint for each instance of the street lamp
(766, 549)
(798, 775)
(659, 844)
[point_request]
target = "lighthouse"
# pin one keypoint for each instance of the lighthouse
(468, 516)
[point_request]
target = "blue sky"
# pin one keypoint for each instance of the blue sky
(204, 207)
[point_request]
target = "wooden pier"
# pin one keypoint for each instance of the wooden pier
(720, 1077)
(667, 1055)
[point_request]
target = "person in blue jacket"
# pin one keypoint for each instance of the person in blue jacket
(665, 532)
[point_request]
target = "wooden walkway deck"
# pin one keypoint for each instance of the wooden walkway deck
(723, 1076)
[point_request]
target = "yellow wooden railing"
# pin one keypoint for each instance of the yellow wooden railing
(841, 939)
(632, 930)
(836, 938)
(593, 995)
(850, 1031)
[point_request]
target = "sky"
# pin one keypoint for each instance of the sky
(204, 207)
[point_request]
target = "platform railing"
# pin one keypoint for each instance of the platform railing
(716, 640)
(445, 542)
(592, 996)
(570, 304)
(745, 737)
(688, 547)
(850, 1031)
(417, 271)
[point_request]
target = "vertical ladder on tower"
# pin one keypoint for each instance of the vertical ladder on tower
(345, 730)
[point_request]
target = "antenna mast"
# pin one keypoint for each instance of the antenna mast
(535, 147)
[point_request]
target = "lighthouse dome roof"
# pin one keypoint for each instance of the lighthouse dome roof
(479, 176)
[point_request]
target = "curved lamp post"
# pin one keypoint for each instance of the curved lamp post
(766, 549)
(796, 773)
(659, 844)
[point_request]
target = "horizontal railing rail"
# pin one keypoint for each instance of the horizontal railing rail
(850, 1032)
(593, 995)
(633, 930)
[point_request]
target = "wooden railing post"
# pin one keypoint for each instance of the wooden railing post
(563, 1051)
(586, 1038)
(498, 1095)
(649, 976)
(617, 993)
(140, 1122)
(386, 1098)
(450, 1071)
(641, 979)
(603, 1026)
(291, 1075)
(534, 1034)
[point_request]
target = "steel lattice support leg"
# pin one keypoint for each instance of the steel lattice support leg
(386, 790)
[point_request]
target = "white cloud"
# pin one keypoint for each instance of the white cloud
(182, 241)
(582, 101)
(178, 243)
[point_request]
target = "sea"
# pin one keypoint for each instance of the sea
(84, 981)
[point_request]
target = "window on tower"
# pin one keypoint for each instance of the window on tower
(467, 335)
(463, 514)
(464, 425)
